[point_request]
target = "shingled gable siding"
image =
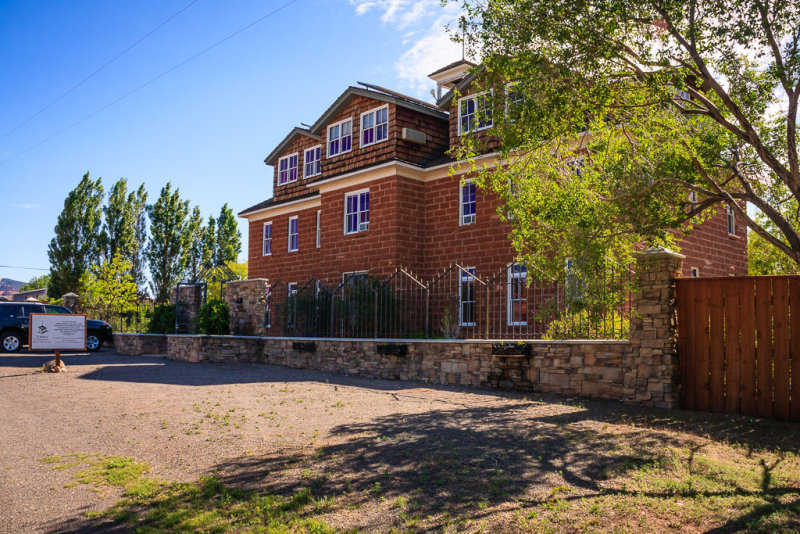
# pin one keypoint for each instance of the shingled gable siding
(435, 130)
(293, 189)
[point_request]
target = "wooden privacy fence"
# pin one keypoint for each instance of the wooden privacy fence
(739, 344)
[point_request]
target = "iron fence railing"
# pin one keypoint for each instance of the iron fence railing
(457, 303)
(131, 318)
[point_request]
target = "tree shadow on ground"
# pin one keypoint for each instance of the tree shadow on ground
(465, 463)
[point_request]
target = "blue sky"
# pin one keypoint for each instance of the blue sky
(206, 126)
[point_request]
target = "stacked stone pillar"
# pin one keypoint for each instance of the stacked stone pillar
(651, 373)
(246, 301)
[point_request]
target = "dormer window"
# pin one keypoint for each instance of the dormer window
(287, 169)
(312, 166)
(474, 113)
(340, 138)
(374, 126)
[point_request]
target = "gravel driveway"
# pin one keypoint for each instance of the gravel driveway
(184, 419)
(466, 458)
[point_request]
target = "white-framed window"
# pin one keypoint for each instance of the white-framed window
(466, 297)
(340, 137)
(374, 126)
(731, 219)
(467, 203)
(287, 169)
(294, 233)
(474, 113)
(312, 164)
(291, 309)
(351, 278)
(517, 295)
(694, 272)
(266, 249)
(319, 228)
(515, 100)
(291, 289)
(356, 211)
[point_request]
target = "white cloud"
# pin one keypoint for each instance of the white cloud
(26, 206)
(428, 41)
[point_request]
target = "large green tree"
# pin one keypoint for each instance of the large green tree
(77, 244)
(624, 118)
(110, 284)
(124, 227)
(196, 246)
(228, 240)
(167, 247)
(37, 282)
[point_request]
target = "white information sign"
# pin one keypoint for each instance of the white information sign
(53, 331)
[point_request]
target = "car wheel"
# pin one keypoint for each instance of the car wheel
(93, 342)
(11, 342)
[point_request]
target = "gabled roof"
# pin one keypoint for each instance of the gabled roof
(286, 141)
(452, 65)
(444, 102)
(375, 94)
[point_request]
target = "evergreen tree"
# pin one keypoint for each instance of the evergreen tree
(77, 242)
(210, 243)
(137, 259)
(228, 238)
(124, 227)
(167, 247)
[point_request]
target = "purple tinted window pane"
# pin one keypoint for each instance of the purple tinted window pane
(334, 148)
(382, 132)
(317, 165)
(369, 136)
(346, 143)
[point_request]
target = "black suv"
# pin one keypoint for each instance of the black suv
(14, 325)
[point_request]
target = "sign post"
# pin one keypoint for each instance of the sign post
(56, 332)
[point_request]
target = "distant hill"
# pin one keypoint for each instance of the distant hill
(9, 287)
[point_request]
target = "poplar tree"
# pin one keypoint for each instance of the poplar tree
(228, 243)
(124, 227)
(167, 247)
(196, 246)
(77, 242)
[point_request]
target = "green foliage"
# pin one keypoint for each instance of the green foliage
(110, 284)
(163, 320)
(196, 246)
(213, 318)
(76, 244)
(218, 276)
(166, 251)
(628, 107)
(124, 227)
(228, 242)
(37, 282)
(587, 325)
(765, 259)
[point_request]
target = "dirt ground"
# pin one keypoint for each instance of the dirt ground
(467, 456)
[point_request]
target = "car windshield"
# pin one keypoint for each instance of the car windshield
(57, 309)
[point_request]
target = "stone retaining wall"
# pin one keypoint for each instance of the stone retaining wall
(139, 344)
(589, 368)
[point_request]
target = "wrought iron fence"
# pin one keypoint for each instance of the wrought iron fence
(457, 303)
(131, 318)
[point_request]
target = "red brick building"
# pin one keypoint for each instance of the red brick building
(367, 188)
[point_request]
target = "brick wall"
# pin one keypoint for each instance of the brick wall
(715, 253)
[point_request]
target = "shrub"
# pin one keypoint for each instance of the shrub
(214, 318)
(583, 325)
(163, 320)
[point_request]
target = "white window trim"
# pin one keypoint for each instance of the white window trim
(730, 221)
(474, 96)
(288, 169)
(289, 244)
(461, 203)
(319, 228)
(349, 273)
(462, 277)
(328, 138)
(306, 151)
(694, 272)
(509, 87)
(346, 196)
(374, 126)
(263, 239)
(509, 303)
(291, 288)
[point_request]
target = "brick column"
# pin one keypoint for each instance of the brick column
(246, 300)
(651, 373)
